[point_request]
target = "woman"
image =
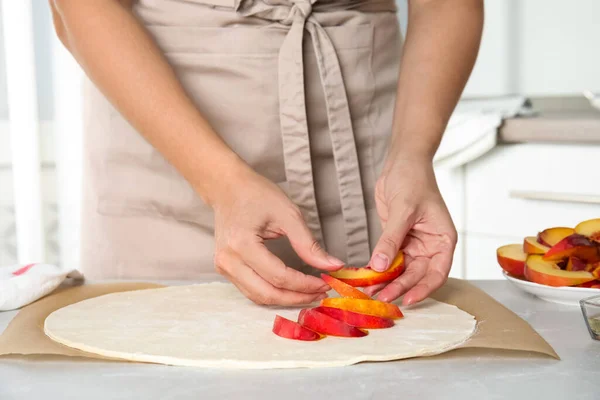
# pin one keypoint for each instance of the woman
(269, 138)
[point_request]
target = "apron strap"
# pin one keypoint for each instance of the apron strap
(294, 125)
(344, 146)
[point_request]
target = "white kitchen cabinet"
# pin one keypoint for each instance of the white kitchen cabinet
(512, 190)
(451, 182)
(458, 263)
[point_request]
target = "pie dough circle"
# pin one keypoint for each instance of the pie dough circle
(214, 326)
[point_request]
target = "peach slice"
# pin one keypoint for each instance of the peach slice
(589, 267)
(596, 270)
(512, 259)
(365, 276)
(576, 264)
(344, 289)
(292, 330)
(355, 319)
(322, 323)
(548, 273)
(532, 246)
(549, 237)
(591, 284)
(574, 245)
(589, 228)
(369, 307)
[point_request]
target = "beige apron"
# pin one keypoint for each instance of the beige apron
(302, 90)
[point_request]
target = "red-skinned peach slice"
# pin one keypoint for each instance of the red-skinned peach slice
(326, 325)
(596, 270)
(548, 273)
(344, 289)
(365, 276)
(576, 264)
(532, 246)
(512, 259)
(589, 228)
(355, 319)
(292, 330)
(574, 245)
(591, 284)
(369, 307)
(549, 237)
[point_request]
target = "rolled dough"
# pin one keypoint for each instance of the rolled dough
(214, 326)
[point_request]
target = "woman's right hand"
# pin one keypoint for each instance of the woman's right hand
(250, 209)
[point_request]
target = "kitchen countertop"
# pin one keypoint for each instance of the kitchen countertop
(489, 375)
(565, 119)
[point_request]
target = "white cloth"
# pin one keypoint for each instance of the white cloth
(473, 127)
(24, 284)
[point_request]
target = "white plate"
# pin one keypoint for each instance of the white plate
(562, 295)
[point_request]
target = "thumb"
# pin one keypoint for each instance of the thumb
(390, 241)
(308, 248)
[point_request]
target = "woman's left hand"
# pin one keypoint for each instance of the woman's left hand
(414, 219)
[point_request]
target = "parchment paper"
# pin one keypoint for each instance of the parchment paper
(498, 328)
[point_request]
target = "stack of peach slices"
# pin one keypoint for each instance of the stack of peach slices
(350, 315)
(557, 256)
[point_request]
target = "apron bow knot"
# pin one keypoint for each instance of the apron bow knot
(299, 11)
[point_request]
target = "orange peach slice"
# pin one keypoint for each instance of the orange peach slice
(574, 245)
(596, 270)
(344, 289)
(512, 259)
(355, 319)
(589, 267)
(532, 246)
(292, 330)
(326, 325)
(369, 307)
(365, 276)
(551, 236)
(589, 228)
(548, 273)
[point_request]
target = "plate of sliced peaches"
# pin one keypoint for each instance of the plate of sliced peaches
(560, 265)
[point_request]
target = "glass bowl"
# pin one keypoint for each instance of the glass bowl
(590, 307)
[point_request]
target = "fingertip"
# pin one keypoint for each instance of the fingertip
(329, 267)
(385, 299)
(336, 262)
(325, 288)
(380, 262)
(412, 297)
(322, 296)
(407, 301)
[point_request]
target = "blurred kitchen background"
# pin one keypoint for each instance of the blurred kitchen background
(520, 154)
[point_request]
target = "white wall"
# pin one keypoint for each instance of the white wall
(43, 30)
(536, 47)
(561, 46)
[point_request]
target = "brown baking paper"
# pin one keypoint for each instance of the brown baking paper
(498, 329)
